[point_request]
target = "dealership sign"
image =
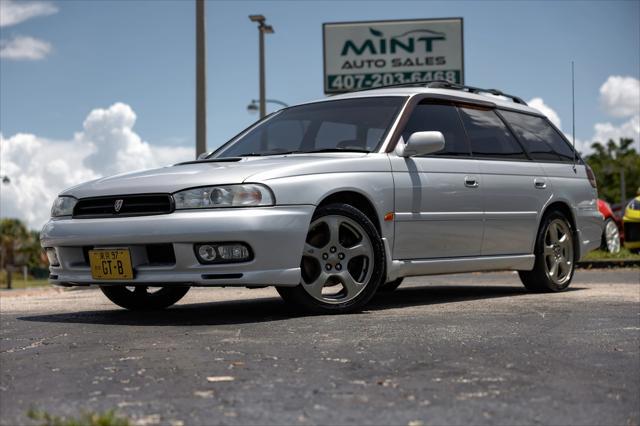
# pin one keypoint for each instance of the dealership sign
(362, 55)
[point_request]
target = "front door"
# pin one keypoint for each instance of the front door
(438, 197)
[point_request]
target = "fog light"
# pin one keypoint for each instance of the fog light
(207, 253)
(52, 256)
(234, 252)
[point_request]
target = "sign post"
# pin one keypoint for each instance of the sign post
(364, 55)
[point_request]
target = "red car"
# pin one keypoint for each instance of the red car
(611, 235)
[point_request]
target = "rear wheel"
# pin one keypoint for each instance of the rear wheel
(555, 258)
(610, 237)
(342, 262)
(139, 298)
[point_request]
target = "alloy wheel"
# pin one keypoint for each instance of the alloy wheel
(558, 252)
(337, 261)
(612, 237)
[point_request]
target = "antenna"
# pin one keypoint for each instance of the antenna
(573, 114)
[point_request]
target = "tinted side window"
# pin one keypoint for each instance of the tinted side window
(535, 134)
(440, 118)
(489, 136)
(559, 144)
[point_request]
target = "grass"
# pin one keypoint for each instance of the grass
(623, 254)
(19, 282)
(107, 418)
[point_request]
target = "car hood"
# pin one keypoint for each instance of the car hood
(201, 173)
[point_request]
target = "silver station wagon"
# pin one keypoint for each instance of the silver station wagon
(334, 200)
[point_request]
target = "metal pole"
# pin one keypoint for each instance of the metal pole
(263, 106)
(201, 80)
(623, 190)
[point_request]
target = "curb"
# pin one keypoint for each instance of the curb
(606, 264)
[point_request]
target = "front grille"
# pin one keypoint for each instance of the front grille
(631, 231)
(123, 205)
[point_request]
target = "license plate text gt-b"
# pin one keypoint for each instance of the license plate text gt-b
(111, 264)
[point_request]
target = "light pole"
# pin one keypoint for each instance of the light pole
(201, 81)
(253, 106)
(262, 30)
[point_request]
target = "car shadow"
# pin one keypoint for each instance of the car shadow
(247, 311)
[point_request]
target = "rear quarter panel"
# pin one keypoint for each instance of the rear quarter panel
(573, 188)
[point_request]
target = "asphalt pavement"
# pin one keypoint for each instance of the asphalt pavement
(457, 349)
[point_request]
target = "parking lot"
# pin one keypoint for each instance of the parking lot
(469, 348)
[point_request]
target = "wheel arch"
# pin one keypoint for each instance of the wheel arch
(357, 200)
(563, 207)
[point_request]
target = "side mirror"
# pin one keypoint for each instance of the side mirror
(204, 155)
(421, 143)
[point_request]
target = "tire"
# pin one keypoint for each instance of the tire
(610, 237)
(139, 298)
(390, 286)
(554, 246)
(342, 265)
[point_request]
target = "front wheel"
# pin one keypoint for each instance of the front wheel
(555, 258)
(141, 298)
(342, 262)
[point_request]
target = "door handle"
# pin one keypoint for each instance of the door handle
(471, 182)
(540, 183)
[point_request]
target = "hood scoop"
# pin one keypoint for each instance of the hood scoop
(211, 160)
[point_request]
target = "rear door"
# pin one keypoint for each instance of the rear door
(438, 197)
(514, 188)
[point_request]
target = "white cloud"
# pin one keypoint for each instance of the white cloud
(13, 12)
(620, 96)
(629, 129)
(24, 48)
(40, 168)
(545, 109)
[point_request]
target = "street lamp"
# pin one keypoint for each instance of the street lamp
(262, 30)
(253, 106)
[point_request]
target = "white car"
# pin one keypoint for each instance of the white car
(332, 200)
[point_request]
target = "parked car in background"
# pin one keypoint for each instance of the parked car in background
(331, 199)
(631, 222)
(611, 239)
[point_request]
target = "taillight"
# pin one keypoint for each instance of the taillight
(591, 176)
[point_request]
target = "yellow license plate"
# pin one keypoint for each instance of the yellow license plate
(110, 264)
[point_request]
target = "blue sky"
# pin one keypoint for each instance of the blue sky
(142, 53)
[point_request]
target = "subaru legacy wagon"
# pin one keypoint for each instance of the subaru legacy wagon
(334, 200)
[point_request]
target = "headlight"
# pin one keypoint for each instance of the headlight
(224, 196)
(63, 206)
(634, 204)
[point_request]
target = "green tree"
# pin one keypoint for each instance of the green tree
(18, 245)
(607, 161)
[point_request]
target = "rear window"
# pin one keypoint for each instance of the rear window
(489, 136)
(539, 138)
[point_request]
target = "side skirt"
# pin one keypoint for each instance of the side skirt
(415, 267)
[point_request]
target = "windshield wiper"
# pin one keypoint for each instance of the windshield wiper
(266, 154)
(334, 150)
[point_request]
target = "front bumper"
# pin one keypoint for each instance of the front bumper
(276, 236)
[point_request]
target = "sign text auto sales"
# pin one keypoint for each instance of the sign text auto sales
(372, 54)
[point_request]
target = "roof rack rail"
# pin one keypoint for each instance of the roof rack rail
(445, 84)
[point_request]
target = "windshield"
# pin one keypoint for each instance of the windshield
(355, 125)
